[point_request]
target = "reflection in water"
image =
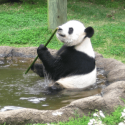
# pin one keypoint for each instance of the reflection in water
(28, 91)
(33, 99)
(7, 108)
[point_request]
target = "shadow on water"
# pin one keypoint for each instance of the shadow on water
(18, 90)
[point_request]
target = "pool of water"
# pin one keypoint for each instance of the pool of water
(18, 90)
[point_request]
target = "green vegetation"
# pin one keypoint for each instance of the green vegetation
(25, 24)
(114, 117)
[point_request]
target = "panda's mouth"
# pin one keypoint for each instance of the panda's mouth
(61, 35)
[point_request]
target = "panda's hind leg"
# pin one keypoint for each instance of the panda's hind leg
(38, 69)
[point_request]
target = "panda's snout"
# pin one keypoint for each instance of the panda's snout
(59, 29)
(60, 32)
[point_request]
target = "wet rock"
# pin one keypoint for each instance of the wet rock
(114, 70)
(117, 74)
(98, 55)
(5, 51)
(28, 52)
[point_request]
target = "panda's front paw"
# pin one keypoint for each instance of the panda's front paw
(41, 48)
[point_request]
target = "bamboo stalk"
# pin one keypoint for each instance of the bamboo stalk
(45, 46)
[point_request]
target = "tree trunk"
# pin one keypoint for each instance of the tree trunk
(57, 13)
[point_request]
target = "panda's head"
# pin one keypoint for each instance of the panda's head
(73, 33)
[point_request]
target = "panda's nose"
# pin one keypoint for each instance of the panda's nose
(59, 29)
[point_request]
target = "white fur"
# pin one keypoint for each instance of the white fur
(86, 47)
(78, 81)
(76, 37)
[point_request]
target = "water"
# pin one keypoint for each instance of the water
(18, 90)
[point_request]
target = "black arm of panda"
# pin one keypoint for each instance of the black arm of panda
(45, 56)
(54, 65)
(38, 69)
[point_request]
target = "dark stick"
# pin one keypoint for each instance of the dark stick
(45, 46)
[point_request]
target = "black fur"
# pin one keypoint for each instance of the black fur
(67, 62)
(70, 30)
(89, 32)
(38, 68)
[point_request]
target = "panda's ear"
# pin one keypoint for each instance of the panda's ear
(89, 32)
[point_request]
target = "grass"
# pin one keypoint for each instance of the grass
(114, 117)
(25, 24)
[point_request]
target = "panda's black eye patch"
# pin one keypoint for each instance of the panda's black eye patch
(70, 30)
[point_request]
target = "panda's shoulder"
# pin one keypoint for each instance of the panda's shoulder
(61, 50)
(69, 51)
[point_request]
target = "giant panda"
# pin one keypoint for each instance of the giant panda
(73, 66)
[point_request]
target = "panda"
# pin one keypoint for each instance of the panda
(73, 66)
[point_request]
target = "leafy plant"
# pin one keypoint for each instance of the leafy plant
(114, 117)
